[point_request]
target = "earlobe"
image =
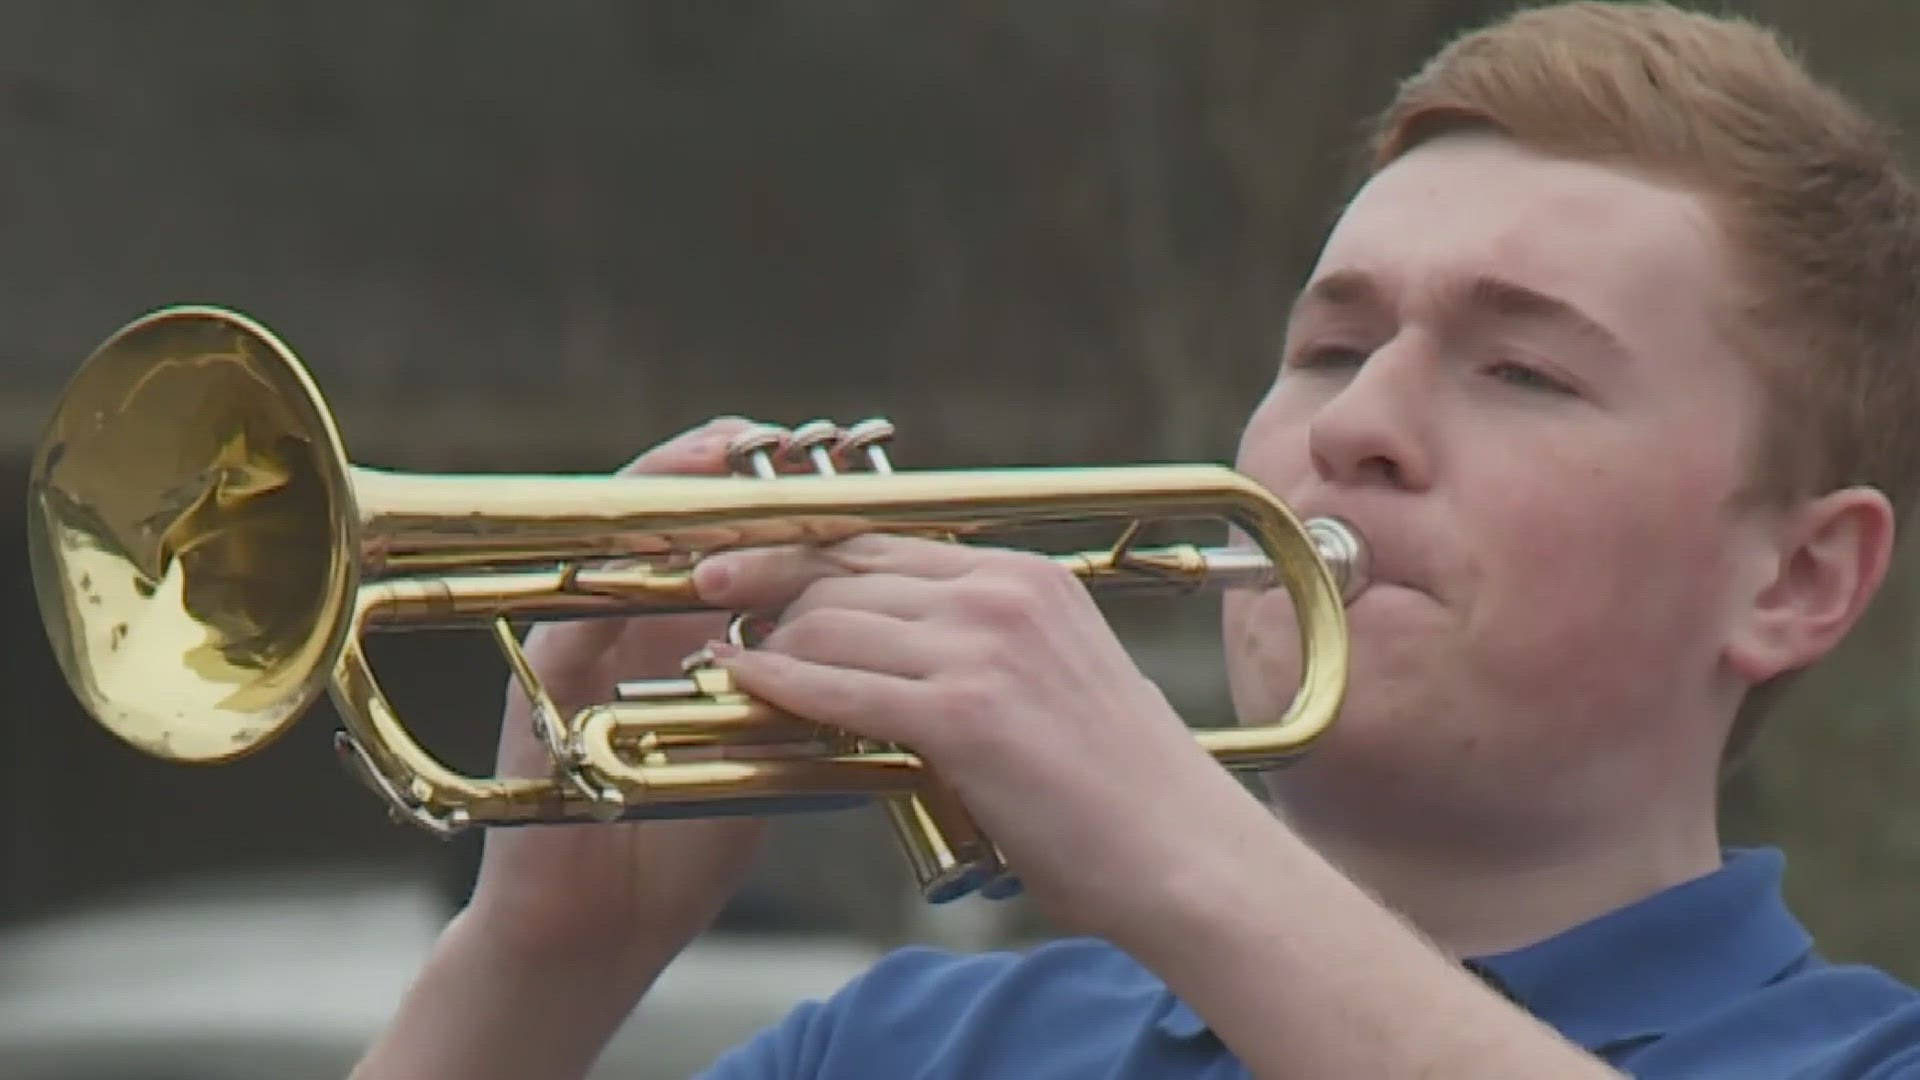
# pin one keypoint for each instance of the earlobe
(1832, 556)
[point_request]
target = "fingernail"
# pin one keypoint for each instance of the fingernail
(722, 650)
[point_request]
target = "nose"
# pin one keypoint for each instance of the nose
(1374, 431)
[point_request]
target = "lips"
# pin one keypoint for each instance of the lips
(1395, 556)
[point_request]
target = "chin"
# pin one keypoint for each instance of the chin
(1388, 758)
(1398, 680)
(1391, 629)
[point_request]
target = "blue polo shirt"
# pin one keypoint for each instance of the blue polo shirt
(1713, 979)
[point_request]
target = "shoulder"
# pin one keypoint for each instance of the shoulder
(1863, 1023)
(917, 972)
(920, 993)
(918, 1001)
(1822, 1022)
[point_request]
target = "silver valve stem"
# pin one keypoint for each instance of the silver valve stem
(868, 438)
(814, 441)
(752, 451)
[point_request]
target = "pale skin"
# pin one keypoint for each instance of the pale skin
(1571, 603)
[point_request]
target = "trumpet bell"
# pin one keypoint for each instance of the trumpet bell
(193, 535)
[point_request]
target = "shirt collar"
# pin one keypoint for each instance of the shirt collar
(1643, 969)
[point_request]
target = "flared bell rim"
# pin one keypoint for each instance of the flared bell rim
(196, 574)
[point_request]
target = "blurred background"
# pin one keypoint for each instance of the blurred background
(510, 236)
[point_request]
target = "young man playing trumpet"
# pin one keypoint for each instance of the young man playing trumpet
(1612, 361)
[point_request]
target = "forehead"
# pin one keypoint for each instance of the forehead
(1643, 258)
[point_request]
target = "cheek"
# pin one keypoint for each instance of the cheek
(1273, 446)
(1262, 653)
(1598, 596)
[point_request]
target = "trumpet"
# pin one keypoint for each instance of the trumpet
(208, 564)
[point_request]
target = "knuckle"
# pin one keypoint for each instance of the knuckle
(992, 652)
(966, 699)
(803, 633)
(855, 554)
(996, 600)
(1036, 575)
(1045, 574)
(972, 726)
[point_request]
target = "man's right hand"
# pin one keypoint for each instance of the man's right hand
(570, 925)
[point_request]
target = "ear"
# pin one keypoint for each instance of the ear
(1828, 559)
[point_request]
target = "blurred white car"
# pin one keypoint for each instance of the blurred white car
(290, 981)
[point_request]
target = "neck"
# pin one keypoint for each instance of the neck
(1480, 892)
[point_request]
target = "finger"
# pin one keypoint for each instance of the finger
(866, 703)
(904, 598)
(565, 654)
(851, 639)
(698, 451)
(770, 578)
(705, 451)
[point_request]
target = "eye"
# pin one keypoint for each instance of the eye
(1328, 357)
(1529, 378)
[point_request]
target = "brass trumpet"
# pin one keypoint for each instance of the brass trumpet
(208, 562)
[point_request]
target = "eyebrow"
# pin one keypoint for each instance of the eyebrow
(1482, 294)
